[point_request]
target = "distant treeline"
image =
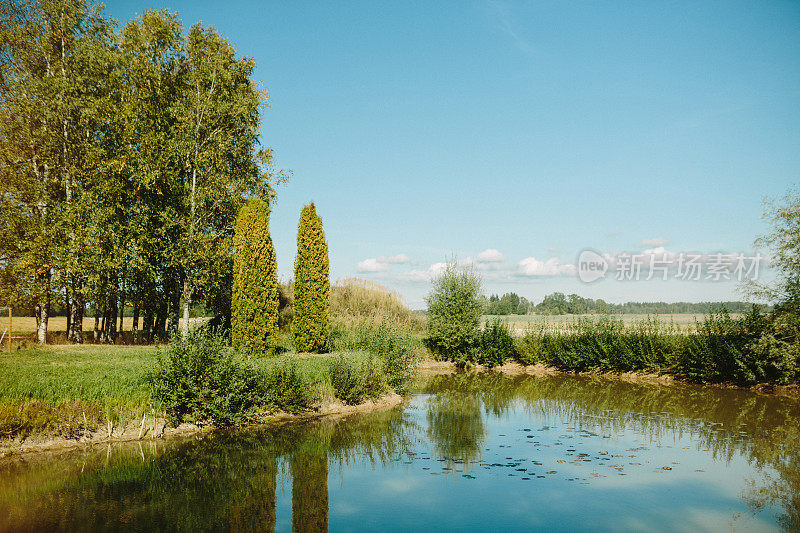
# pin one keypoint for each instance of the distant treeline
(561, 304)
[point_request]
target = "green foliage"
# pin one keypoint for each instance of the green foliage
(393, 345)
(137, 194)
(454, 311)
(289, 388)
(357, 376)
(496, 344)
(744, 350)
(560, 304)
(310, 327)
(254, 320)
(508, 304)
(200, 380)
(604, 344)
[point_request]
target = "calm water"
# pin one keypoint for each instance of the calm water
(468, 452)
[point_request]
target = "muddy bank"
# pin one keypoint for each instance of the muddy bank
(152, 428)
(433, 368)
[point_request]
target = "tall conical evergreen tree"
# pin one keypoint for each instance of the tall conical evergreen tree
(254, 313)
(311, 284)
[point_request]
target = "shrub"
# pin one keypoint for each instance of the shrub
(393, 345)
(496, 344)
(724, 349)
(254, 313)
(288, 388)
(200, 380)
(356, 376)
(454, 311)
(311, 284)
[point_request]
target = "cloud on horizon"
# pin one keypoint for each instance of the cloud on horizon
(490, 255)
(530, 266)
(381, 264)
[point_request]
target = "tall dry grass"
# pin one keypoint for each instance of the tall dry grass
(356, 301)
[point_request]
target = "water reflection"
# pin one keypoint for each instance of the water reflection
(521, 450)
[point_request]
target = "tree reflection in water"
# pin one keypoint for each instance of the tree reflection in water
(228, 480)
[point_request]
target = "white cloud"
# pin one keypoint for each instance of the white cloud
(399, 259)
(423, 275)
(531, 266)
(381, 264)
(372, 265)
(490, 255)
(657, 241)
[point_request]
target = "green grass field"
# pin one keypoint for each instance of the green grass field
(48, 389)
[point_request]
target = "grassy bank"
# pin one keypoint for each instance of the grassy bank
(71, 391)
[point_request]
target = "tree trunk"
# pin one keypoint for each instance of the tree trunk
(122, 306)
(187, 304)
(103, 330)
(111, 323)
(147, 326)
(43, 307)
(135, 325)
(160, 326)
(96, 322)
(187, 287)
(75, 331)
(67, 309)
(174, 308)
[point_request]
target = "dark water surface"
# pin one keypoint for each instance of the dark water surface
(468, 452)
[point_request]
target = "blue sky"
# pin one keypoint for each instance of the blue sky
(533, 129)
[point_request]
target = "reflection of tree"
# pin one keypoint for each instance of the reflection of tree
(309, 492)
(227, 480)
(455, 424)
(713, 417)
(224, 481)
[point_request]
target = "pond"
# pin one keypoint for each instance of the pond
(470, 452)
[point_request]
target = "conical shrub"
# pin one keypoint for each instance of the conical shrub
(254, 313)
(311, 284)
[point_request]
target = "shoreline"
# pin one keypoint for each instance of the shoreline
(432, 368)
(152, 429)
(158, 430)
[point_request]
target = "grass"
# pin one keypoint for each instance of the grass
(49, 389)
(358, 301)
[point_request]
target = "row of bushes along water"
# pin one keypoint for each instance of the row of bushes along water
(743, 350)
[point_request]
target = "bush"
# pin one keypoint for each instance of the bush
(393, 345)
(200, 380)
(356, 376)
(724, 349)
(254, 313)
(496, 344)
(454, 311)
(311, 284)
(288, 388)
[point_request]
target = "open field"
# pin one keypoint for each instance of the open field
(520, 323)
(26, 325)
